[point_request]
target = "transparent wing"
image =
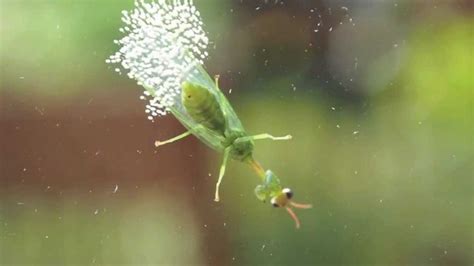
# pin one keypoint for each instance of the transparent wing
(209, 137)
(201, 77)
(213, 139)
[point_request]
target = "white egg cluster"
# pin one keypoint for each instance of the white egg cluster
(164, 42)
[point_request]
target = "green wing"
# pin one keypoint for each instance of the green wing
(211, 138)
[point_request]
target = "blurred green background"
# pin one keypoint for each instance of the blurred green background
(377, 94)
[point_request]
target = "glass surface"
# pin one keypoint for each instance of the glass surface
(376, 94)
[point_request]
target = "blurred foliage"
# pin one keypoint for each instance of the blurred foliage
(391, 184)
(385, 160)
(98, 231)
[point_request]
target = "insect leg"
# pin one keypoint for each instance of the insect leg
(216, 80)
(263, 136)
(221, 173)
(160, 143)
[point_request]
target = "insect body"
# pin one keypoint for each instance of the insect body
(163, 50)
(208, 115)
(203, 107)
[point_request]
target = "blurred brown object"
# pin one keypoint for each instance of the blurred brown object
(58, 151)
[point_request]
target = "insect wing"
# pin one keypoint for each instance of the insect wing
(201, 77)
(233, 121)
(209, 137)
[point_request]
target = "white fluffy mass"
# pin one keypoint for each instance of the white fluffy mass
(163, 42)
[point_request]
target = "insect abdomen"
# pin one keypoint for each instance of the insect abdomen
(203, 107)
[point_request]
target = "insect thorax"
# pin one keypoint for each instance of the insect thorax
(240, 150)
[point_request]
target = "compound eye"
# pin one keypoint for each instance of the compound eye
(274, 203)
(288, 193)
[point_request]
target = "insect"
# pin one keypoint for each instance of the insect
(163, 50)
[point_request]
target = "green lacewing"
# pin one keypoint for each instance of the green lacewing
(163, 50)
